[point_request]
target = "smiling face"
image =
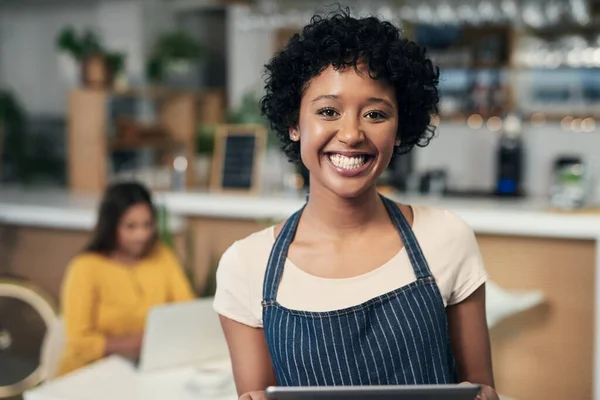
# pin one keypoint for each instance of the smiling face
(347, 130)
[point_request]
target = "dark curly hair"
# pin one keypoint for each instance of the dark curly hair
(340, 40)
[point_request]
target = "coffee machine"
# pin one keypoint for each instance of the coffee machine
(509, 158)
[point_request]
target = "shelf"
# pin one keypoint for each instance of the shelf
(549, 116)
(143, 142)
(593, 28)
(475, 66)
(553, 116)
(465, 115)
(95, 132)
(562, 68)
(152, 92)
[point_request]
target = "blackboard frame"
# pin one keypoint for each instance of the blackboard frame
(222, 133)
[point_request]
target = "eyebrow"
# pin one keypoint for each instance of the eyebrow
(326, 97)
(379, 100)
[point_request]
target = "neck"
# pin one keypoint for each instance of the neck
(337, 216)
(124, 258)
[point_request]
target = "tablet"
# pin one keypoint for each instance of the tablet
(420, 392)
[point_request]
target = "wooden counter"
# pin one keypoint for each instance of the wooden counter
(41, 255)
(40, 232)
(549, 352)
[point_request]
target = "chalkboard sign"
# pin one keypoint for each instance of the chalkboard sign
(238, 158)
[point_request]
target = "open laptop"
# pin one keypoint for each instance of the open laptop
(425, 392)
(182, 334)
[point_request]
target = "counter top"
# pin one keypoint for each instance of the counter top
(529, 217)
(59, 209)
(52, 208)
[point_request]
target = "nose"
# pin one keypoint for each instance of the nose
(142, 234)
(350, 133)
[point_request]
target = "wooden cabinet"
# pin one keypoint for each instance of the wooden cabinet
(546, 352)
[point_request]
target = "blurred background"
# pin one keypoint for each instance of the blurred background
(166, 92)
(538, 59)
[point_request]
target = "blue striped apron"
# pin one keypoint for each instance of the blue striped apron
(398, 338)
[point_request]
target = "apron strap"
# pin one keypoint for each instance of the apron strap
(282, 243)
(415, 254)
(279, 255)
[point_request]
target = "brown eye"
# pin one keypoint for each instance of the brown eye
(327, 112)
(376, 115)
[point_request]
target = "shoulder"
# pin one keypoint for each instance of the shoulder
(240, 277)
(452, 252)
(250, 250)
(243, 264)
(442, 224)
(84, 267)
(86, 262)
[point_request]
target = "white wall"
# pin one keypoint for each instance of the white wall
(121, 27)
(158, 18)
(27, 44)
(28, 30)
(27, 51)
(247, 53)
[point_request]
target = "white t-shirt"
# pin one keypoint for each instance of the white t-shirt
(448, 243)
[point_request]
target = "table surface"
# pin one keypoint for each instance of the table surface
(115, 378)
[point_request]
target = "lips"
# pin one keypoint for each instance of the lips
(349, 164)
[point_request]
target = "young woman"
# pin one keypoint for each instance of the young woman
(354, 289)
(123, 272)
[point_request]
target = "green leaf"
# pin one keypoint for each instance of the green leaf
(90, 43)
(67, 41)
(205, 139)
(178, 45)
(210, 287)
(115, 62)
(164, 230)
(79, 47)
(155, 69)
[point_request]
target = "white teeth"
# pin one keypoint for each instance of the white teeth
(344, 162)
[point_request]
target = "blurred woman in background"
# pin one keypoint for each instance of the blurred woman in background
(123, 272)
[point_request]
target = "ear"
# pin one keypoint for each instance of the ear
(294, 134)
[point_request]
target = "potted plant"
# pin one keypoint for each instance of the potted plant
(68, 54)
(205, 143)
(175, 60)
(85, 54)
(249, 113)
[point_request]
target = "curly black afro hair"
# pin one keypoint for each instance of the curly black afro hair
(340, 40)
